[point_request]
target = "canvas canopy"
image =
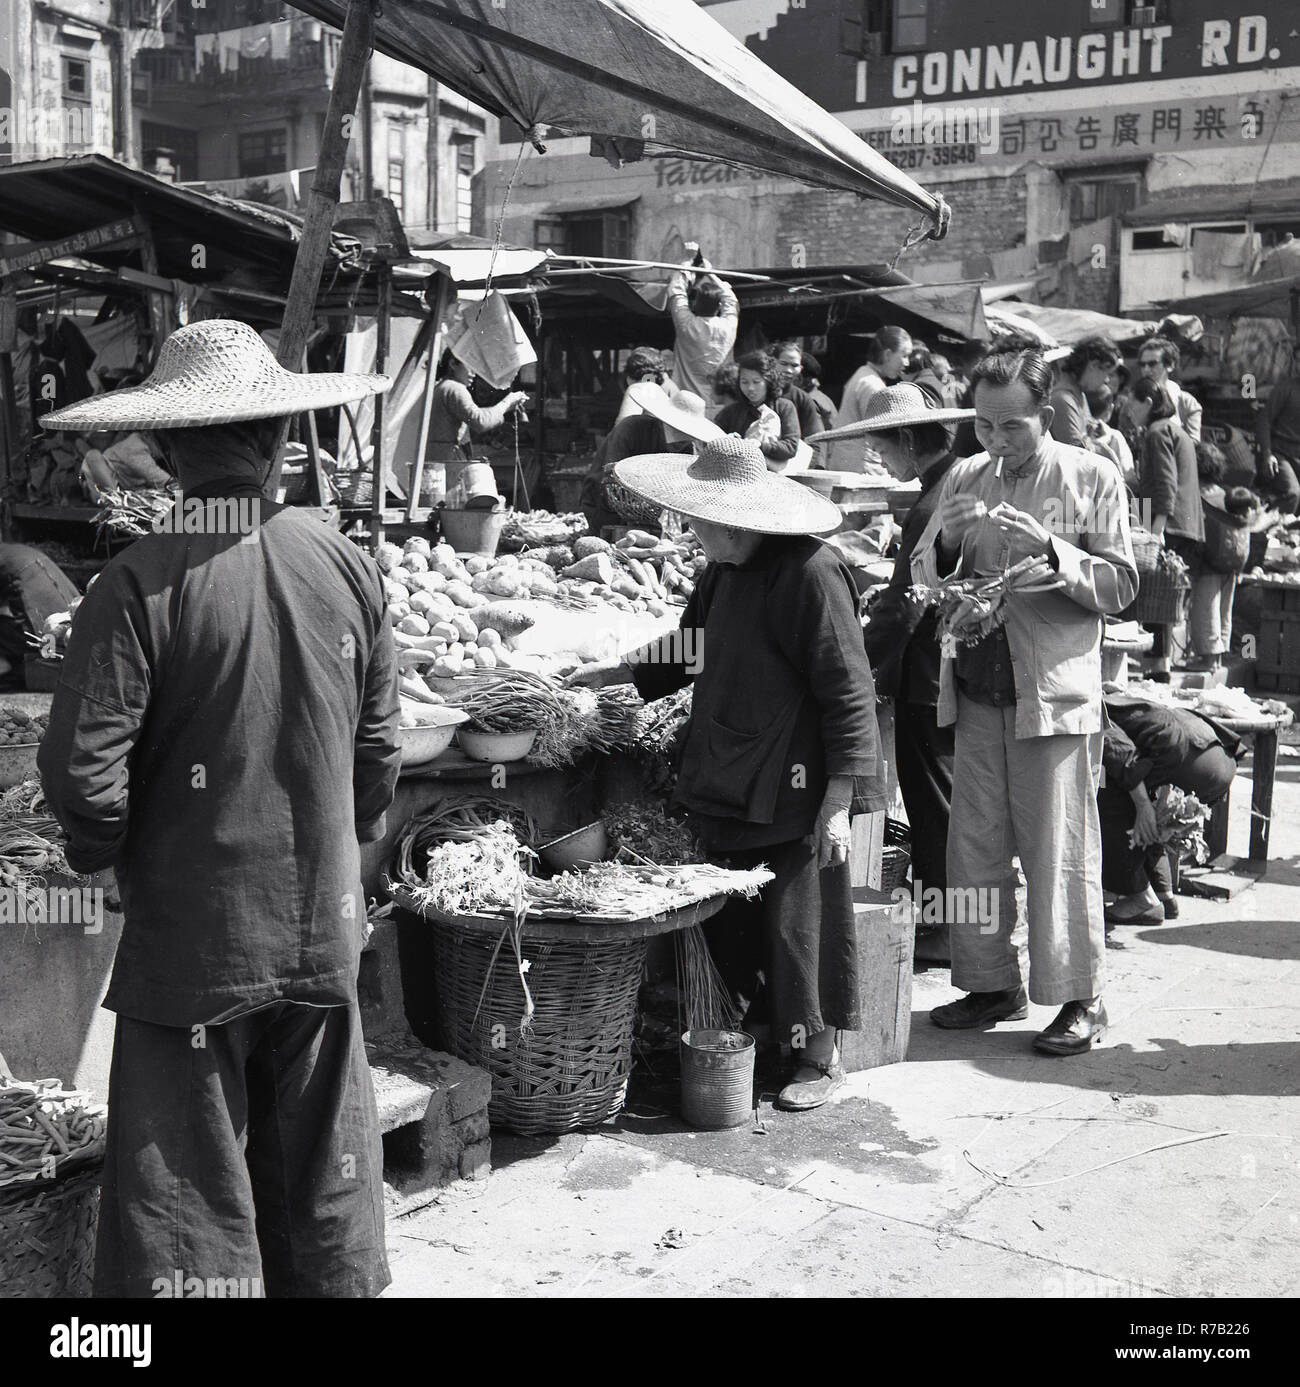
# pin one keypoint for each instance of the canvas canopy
(640, 77)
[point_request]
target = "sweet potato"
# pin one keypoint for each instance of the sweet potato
(588, 545)
(595, 568)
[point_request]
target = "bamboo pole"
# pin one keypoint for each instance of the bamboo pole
(318, 223)
(594, 260)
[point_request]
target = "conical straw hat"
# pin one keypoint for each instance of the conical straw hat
(902, 406)
(729, 484)
(215, 372)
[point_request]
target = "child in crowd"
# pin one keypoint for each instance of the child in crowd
(1223, 555)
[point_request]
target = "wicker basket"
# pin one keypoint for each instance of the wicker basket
(47, 1237)
(897, 854)
(571, 1068)
(628, 506)
(1163, 591)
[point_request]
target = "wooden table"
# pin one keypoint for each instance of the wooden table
(1225, 875)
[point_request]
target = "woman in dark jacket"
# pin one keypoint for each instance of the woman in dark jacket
(760, 385)
(1169, 485)
(913, 432)
(782, 745)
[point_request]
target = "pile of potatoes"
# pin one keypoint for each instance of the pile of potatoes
(18, 728)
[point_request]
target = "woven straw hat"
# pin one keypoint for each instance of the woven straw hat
(729, 484)
(655, 401)
(215, 372)
(902, 406)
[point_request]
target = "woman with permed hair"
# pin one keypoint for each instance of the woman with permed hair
(761, 413)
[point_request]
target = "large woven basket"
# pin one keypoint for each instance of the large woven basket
(570, 1068)
(47, 1237)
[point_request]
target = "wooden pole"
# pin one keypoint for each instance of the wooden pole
(318, 223)
(377, 431)
(435, 354)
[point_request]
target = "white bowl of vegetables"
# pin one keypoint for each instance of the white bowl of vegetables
(426, 731)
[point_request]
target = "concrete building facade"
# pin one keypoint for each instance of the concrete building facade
(1045, 127)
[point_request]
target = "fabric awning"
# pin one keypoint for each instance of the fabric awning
(1068, 325)
(1270, 298)
(641, 77)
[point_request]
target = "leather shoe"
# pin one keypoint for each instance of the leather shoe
(978, 1009)
(1169, 904)
(1078, 1027)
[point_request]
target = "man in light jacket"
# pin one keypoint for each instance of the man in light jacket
(1026, 701)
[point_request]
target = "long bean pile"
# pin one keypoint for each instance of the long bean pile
(45, 1130)
(972, 608)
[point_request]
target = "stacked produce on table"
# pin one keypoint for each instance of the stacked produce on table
(492, 636)
(477, 857)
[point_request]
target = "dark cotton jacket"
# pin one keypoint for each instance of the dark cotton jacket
(783, 695)
(223, 734)
(1148, 743)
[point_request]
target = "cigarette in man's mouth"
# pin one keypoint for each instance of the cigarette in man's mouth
(998, 472)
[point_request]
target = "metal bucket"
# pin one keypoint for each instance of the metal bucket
(717, 1078)
(473, 531)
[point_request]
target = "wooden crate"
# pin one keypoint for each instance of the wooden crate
(1277, 599)
(1277, 681)
(1278, 647)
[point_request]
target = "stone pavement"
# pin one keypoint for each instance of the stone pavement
(976, 1169)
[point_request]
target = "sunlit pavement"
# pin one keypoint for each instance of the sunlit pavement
(1163, 1163)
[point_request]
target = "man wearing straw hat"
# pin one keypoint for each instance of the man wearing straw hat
(222, 736)
(782, 743)
(913, 432)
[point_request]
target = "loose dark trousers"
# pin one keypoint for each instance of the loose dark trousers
(923, 752)
(248, 1151)
(1127, 870)
(792, 952)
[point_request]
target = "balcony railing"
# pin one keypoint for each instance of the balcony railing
(308, 58)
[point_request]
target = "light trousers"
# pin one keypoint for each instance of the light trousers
(1034, 798)
(1211, 617)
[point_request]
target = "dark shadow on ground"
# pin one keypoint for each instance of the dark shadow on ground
(1248, 938)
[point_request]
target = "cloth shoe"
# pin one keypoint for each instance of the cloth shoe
(802, 1095)
(978, 1009)
(1169, 904)
(1078, 1027)
(1153, 915)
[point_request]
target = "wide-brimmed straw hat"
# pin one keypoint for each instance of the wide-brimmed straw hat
(729, 484)
(902, 406)
(655, 401)
(214, 372)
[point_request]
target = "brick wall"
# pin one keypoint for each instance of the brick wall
(988, 214)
